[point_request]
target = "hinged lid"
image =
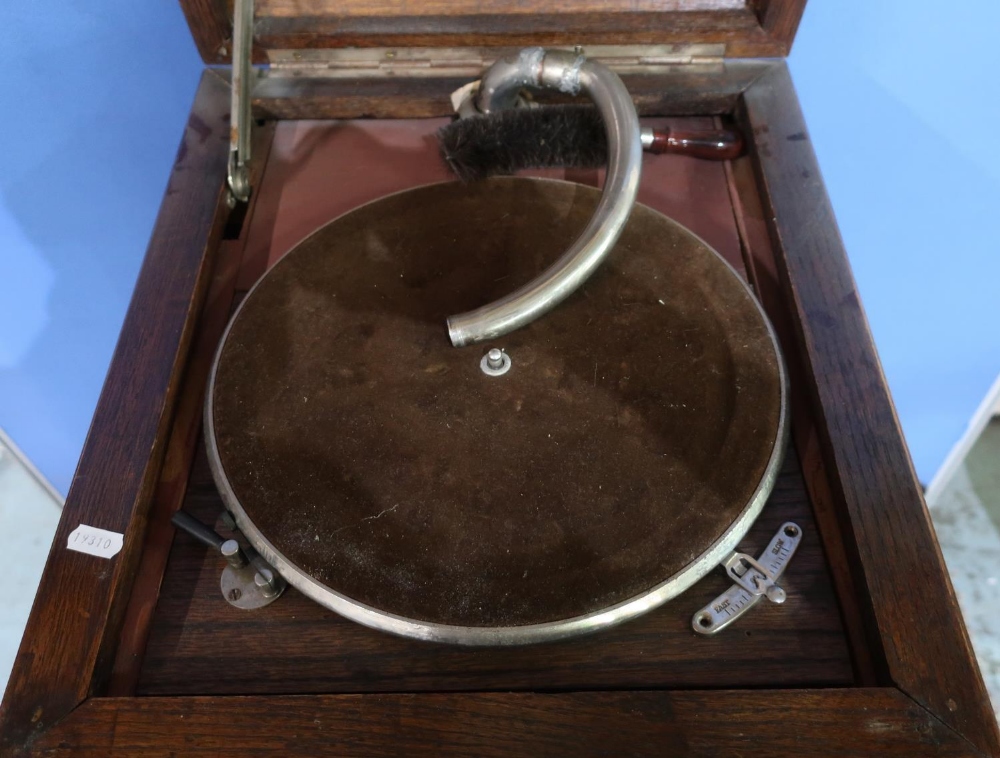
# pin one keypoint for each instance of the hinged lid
(740, 28)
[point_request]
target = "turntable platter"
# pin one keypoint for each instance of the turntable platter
(631, 443)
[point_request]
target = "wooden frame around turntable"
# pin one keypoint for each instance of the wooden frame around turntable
(917, 688)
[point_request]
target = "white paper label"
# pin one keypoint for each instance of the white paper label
(94, 541)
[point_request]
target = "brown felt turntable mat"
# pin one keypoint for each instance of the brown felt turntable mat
(634, 427)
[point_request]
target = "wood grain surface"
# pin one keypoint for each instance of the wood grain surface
(172, 484)
(758, 252)
(817, 723)
(748, 29)
(435, 8)
(739, 29)
(780, 19)
(906, 590)
(199, 644)
(73, 628)
(211, 25)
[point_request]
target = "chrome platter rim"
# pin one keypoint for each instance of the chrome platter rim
(478, 636)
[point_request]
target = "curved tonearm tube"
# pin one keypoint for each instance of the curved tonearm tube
(536, 68)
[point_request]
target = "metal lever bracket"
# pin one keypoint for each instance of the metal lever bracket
(247, 581)
(238, 175)
(755, 579)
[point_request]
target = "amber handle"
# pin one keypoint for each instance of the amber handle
(710, 144)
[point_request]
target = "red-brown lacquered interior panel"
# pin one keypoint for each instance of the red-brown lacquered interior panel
(200, 645)
(318, 170)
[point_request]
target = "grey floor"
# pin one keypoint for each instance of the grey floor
(29, 514)
(967, 519)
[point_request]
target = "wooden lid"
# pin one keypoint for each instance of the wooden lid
(747, 28)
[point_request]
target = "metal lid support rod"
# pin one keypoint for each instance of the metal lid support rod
(239, 108)
(570, 73)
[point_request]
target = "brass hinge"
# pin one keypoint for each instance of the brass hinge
(471, 61)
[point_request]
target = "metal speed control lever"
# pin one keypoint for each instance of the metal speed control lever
(230, 549)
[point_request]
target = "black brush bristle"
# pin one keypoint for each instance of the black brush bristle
(508, 141)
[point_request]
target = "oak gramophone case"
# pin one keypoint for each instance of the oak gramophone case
(671, 513)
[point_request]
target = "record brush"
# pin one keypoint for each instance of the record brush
(506, 141)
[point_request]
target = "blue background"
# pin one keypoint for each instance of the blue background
(895, 93)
